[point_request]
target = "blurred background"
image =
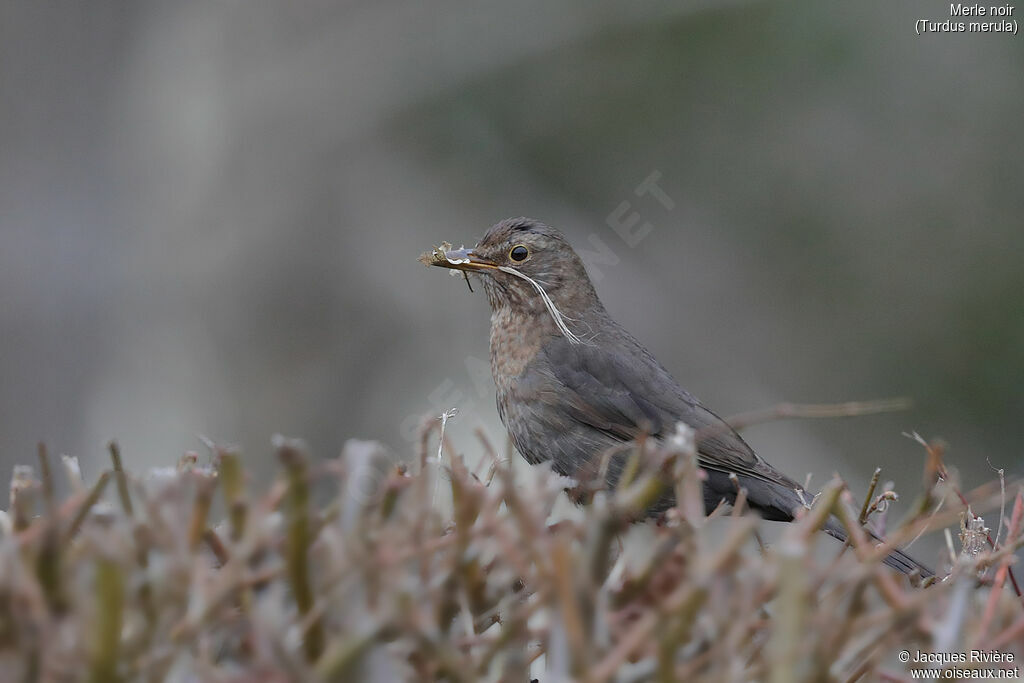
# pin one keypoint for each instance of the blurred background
(210, 214)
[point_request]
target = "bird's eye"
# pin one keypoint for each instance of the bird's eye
(519, 253)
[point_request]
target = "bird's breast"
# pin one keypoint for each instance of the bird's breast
(515, 342)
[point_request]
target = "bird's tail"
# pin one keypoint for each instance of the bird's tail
(897, 559)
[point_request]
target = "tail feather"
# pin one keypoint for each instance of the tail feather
(897, 559)
(776, 500)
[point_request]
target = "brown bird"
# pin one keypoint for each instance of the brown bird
(572, 384)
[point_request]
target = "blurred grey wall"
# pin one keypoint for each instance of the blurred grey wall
(210, 214)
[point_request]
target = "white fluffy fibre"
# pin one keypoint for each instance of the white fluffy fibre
(548, 303)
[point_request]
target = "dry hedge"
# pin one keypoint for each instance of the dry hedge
(140, 581)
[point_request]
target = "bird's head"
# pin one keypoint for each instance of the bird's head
(521, 261)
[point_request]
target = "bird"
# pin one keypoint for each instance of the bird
(572, 384)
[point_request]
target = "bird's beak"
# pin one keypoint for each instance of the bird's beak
(461, 259)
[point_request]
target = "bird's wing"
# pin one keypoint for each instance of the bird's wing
(623, 390)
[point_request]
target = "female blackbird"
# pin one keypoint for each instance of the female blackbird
(572, 383)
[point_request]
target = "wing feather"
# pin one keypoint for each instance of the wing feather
(623, 391)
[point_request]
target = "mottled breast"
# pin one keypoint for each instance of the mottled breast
(520, 389)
